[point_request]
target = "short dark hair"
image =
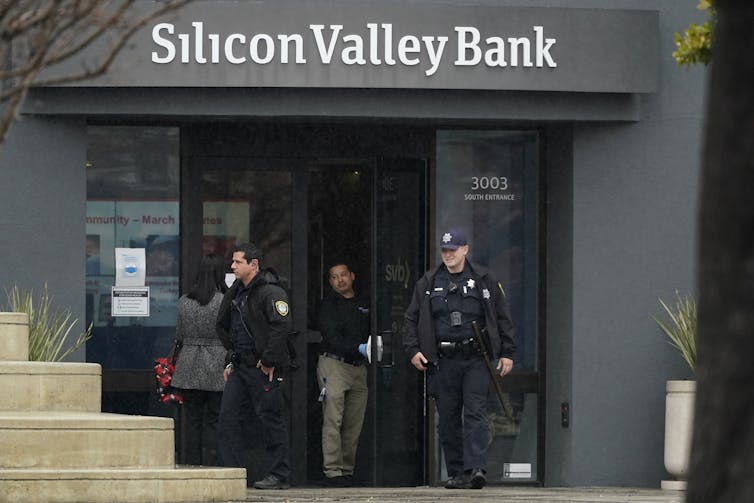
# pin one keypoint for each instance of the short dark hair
(250, 251)
(338, 261)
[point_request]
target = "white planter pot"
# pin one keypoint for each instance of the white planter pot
(679, 423)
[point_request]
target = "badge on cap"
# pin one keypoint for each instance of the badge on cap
(281, 307)
(446, 237)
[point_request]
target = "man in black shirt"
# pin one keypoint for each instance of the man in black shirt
(342, 374)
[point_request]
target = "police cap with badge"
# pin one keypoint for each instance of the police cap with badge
(453, 240)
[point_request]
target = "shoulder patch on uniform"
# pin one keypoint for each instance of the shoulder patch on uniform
(281, 307)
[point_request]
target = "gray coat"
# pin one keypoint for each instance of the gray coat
(200, 361)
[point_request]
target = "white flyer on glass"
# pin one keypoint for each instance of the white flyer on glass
(130, 267)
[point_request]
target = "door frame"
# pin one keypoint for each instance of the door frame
(299, 169)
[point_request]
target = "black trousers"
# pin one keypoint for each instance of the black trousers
(201, 410)
(462, 387)
(249, 387)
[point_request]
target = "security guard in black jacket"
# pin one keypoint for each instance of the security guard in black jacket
(438, 336)
(254, 325)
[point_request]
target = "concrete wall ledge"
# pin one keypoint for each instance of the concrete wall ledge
(65, 420)
(124, 486)
(14, 336)
(38, 386)
(42, 368)
(181, 472)
(72, 440)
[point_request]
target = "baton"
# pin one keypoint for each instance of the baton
(490, 370)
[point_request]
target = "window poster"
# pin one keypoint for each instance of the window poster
(151, 225)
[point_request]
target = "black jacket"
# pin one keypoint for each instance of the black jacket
(268, 319)
(344, 324)
(418, 326)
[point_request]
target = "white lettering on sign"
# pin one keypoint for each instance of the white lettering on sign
(470, 52)
(261, 48)
(380, 47)
(498, 185)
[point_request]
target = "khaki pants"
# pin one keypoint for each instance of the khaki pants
(342, 414)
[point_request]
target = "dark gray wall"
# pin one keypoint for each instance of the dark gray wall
(42, 210)
(558, 161)
(634, 229)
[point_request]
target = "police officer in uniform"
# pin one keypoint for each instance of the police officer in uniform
(438, 336)
(254, 325)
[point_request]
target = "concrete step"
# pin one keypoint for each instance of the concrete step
(84, 440)
(14, 337)
(27, 386)
(181, 484)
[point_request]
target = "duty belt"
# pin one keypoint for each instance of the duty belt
(466, 347)
(355, 363)
(457, 319)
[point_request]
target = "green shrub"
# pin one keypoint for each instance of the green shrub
(680, 326)
(48, 329)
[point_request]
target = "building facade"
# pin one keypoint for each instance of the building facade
(560, 135)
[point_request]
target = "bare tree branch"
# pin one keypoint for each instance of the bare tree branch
(37, 35)
(114, 50)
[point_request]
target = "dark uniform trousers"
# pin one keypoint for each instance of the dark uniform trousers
(462, 385)
(249, 386)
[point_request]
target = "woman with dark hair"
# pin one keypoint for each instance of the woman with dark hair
(199, 369)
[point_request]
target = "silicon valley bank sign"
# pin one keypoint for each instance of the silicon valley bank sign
(381, 44)
(379, 48)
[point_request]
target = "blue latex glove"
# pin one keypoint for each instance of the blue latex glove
(363, 349)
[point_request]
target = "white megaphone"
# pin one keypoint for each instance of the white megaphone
(379, 348)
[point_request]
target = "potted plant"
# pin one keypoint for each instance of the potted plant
(48, 329)
(679, 325)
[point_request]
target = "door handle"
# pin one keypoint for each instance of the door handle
(378, 346)
(384, 345)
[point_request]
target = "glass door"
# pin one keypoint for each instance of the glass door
(398, 397)
(370, 212)
(237, 200)
(488, 182)
(339, 230)
(303, 213)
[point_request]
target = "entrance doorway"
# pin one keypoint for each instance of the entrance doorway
(303, 212)
(300, 190)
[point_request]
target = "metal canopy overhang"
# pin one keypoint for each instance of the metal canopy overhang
(401, 104)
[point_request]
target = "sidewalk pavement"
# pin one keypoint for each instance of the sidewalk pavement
(496, 494)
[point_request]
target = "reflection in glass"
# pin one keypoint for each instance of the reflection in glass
(248, 203)
(488, 184)
(132, 201)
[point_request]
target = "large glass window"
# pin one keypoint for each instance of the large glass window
(132, 202)
(248, 200)
(487, 182)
